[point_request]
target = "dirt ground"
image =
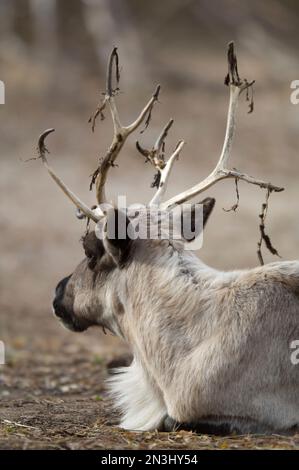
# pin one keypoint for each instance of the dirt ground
(52, 392)
(53, 397)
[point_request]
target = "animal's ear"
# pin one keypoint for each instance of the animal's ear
(115, 236)
(208, 205)
(93, 248)
(194, 228)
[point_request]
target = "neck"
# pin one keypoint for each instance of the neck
(171, 307)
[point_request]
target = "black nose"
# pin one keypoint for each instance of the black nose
(59, 294)
(59, 291)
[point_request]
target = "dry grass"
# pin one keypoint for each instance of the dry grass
(52, 397)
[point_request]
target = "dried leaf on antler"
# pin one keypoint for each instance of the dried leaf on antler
(263, 236)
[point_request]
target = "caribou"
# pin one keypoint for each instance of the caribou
(211, 350)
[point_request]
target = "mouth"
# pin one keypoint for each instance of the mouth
(69, 323)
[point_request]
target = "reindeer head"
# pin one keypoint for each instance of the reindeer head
(94, 295)
(91, 295)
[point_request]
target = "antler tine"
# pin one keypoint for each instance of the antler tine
(164, 175)
(161, 139)
(146, 111)
(110, 92)
(221, 171)
(121, 132)
(156, 157)
(42, 150)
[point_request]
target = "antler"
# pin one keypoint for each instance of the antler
(221, 171)
(42, 150)
(156, 156)
(121, 133)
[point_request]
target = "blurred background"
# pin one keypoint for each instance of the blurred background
(53, 59)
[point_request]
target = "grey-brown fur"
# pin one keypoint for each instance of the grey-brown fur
(208, 346)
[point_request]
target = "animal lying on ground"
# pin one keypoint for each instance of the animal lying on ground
(211, 349)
